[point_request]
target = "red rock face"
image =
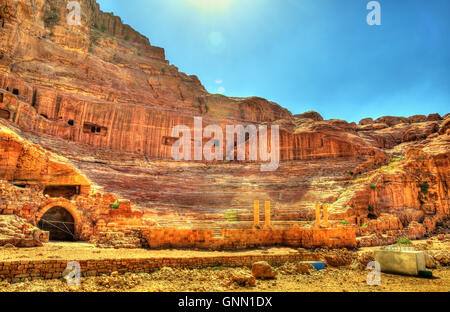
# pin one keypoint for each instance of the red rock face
(105, 75)
(104, 97)
(118, 92)
(29, 164)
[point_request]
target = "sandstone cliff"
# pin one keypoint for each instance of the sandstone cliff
(24, 163)
(102, 75)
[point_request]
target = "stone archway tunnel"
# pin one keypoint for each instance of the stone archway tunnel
(61, 220)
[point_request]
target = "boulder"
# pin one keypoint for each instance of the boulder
(243, 279)
(365, 121)
(338, 259)
(434, 117)
(430, 263)
(443, 257)
(417, 118)
(372, 127)
(305, 268)
(392, 121)
(310, 115)
(263, 270)
(445, 126)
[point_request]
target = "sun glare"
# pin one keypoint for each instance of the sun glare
(211, 5)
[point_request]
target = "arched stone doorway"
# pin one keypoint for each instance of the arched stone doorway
(69, 207)
(60, 223)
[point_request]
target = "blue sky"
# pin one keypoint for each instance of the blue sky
(307, 54)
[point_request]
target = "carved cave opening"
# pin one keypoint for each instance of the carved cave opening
(5, 114)
(15, 91)
(33, 100)
(1, 97)
(65, 191)
(60, 223)
(94, 129)
(70, 122)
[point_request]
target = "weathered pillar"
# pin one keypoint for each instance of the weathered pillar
(318, 215)
(16, 119)
(325, 215)
(256, 214)
(267, 224)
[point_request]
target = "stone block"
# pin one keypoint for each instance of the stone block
(401, 261)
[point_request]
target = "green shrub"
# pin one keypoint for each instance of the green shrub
(115, 205)
(344, 222)
(424, 187)
(439, 224)
(371, 209)
(51, 18)
(103, 28)
(373, 186)
(404, 241)
(93, 38)
(163, 70)
(364, 226)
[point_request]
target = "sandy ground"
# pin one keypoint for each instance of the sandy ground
(350, 278)
(219, 280)
(85, 251)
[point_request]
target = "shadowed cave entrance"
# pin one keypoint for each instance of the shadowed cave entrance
(60, 223)
(5, 114)
(65, 191)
